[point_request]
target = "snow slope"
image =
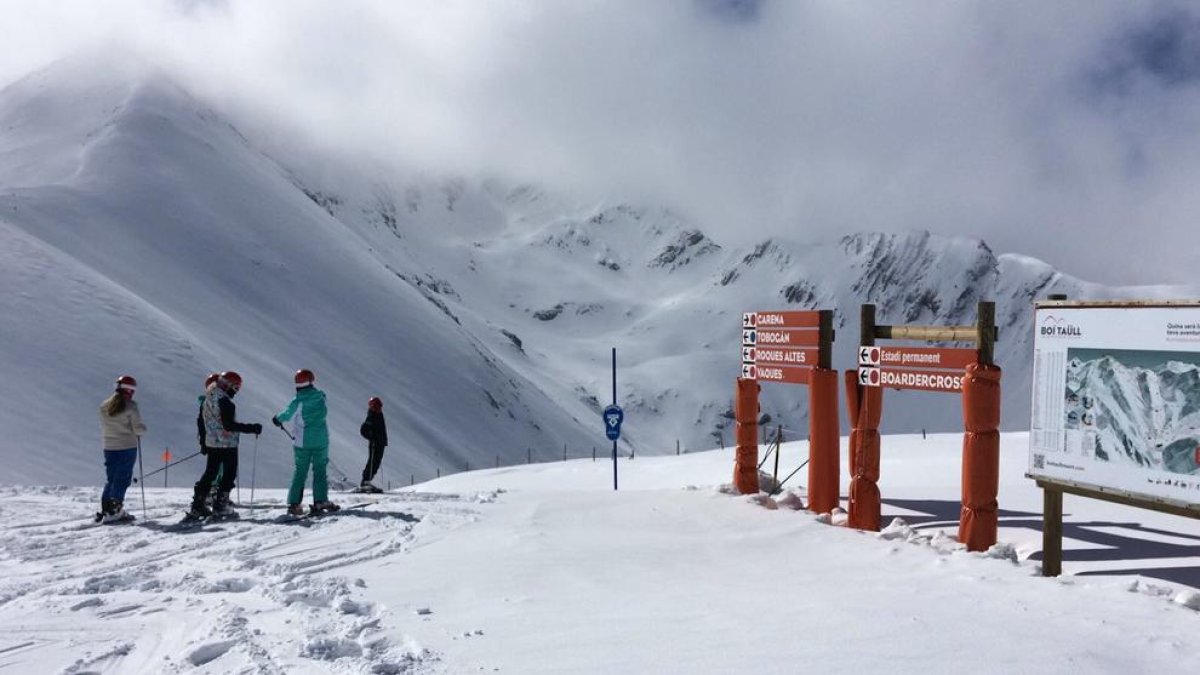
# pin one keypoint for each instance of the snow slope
(142, 233)
(544, 569)
(154, 240)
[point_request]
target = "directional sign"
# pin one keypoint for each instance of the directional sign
(749, 354)
(786, 319)
(785, 338)
(613, 416)
(749, 319)
(924, 357)
(749, 337)
(868, 355)
(783, 356)
(868, 376)
(749, 371)
(788, 374)
(926, 380)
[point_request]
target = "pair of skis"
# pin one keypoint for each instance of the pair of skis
(321, 514)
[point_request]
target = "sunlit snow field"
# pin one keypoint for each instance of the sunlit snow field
(544, 569)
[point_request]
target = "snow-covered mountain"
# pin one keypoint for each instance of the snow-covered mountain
(142, 233)
(1137, 415)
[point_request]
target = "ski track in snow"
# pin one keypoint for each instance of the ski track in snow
(250, 595)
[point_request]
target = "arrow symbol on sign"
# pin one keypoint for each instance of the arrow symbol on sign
(612, 420)
(864, 355)
(863, 375)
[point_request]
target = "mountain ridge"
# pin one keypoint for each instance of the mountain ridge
(483, 311)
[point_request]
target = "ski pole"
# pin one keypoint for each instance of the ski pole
(289, 434)
(253, 469)
(143, 482)
(164, 468)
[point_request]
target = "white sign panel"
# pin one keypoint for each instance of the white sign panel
(1116, 399)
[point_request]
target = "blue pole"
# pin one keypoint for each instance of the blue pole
(614, 371)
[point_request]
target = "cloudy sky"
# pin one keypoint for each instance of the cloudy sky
(1069, 130)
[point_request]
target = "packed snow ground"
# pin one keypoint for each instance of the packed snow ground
(544, 569)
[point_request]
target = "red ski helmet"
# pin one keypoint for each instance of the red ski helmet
(375, 403)
(212, 377)
(230, 381)
(126, 384)
(304, 377)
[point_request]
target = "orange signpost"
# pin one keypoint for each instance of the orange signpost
(792, 347)
(969, 372)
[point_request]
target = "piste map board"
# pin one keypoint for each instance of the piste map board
(1116, 398)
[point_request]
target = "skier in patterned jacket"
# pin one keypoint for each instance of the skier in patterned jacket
(209, 383)
(221, 435)
(310, 443)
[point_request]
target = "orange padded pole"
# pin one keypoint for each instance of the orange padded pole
(866, 410)
(981, 457)
(823, 438)
(745, 414)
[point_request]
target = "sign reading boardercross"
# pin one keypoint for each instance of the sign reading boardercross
(1116, 398)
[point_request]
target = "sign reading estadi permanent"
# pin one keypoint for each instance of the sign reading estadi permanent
(1116, 398)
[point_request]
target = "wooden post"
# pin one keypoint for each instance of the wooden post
(866, 337)
(564, 452)
(529, 455)
(439, 472)
(1052, 527)
(866, 334)
(676, 447)
(987, 333)
(825, 338)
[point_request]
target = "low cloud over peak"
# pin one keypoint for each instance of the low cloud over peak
(1065, 131)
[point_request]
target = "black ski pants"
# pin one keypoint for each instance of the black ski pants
(224, 460)
(374, 459)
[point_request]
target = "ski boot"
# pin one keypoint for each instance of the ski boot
(199, 510)
(296, 510)
(106, 508)
(368, 487)
(319, 508)
(221, 509)
(118, 515)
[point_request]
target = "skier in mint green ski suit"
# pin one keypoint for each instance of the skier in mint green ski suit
(306, 414)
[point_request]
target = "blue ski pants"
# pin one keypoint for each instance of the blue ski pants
(118, 467)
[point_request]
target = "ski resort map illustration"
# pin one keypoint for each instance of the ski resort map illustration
(1116, 399)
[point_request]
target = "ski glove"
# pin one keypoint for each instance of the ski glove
(204, 449)
(276, 422)
(256, 428)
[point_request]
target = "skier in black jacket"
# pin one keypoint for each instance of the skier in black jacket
(374, 429)
(221, 438)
